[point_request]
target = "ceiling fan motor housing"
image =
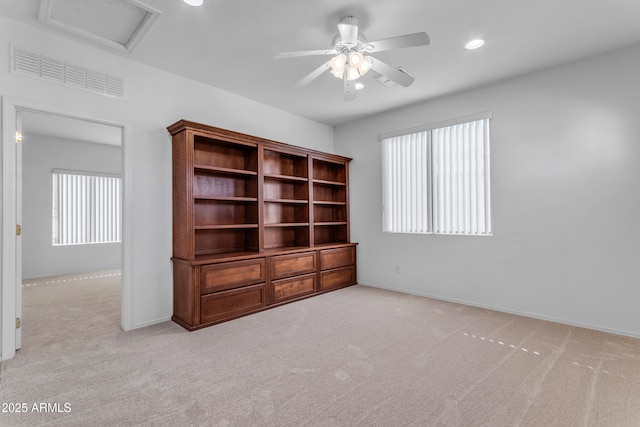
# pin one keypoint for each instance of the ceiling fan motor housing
(361, 44)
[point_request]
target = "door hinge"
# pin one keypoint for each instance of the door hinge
(18, 137)
(18, 230)
(18, 322)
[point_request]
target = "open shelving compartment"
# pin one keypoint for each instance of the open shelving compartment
(330, 216)
(286, 199)
(225, 196)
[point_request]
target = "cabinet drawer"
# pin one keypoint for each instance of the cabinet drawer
(337, 278)
(292, 265)
(228, 304)
(290, 288)
(230, 275)
(334, 258)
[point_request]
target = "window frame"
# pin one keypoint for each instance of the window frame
(92, 232)
(401, 215)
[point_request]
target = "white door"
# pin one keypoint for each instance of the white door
(18, 234)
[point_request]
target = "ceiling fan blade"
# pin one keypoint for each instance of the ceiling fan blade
(394, 74)
(284, 55)
(313, 75)
(349, 87)
(348, 29)
(409, 40)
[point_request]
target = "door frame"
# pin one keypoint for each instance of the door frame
(9, 273)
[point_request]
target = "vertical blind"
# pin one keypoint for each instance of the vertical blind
(407, 184)
(437, 181)
(86, 208)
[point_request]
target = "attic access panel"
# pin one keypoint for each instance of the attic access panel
(119, 24)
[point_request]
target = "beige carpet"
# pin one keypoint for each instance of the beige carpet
(358, 356)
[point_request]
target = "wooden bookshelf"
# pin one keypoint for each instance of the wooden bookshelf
(330, 203)
(255, 222)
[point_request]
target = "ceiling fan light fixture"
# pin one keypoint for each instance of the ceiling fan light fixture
(338, 62)
(194, 2)
(365, 65)
(355, 59)
(474, 44)
(349, 62)
(353, 73)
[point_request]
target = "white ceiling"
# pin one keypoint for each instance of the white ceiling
(119, 24)
(230, 44)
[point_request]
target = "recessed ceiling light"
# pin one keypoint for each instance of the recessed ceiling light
(193, 2)
(359, 86)
(474, 44)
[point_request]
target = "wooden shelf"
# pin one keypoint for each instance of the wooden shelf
(225, 226)
(325, 182)
(330, 223)
(226, 199)
(222, 155)
(286, 177)
(285, 190)
(208, 241)
(210, 184)
(285, 165)
(227, 171)
(329, 172)
(328, 203)
(289, 201)
(287, 224)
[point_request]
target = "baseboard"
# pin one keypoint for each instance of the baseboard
(150, 322)
(510, 311)
(70, 273)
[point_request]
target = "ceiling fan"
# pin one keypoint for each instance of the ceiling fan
(351, 58)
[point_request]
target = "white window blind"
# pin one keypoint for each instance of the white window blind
(86, 208)
(437, 180)
(407, 184)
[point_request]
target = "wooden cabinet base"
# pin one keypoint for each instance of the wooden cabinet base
(214, 290)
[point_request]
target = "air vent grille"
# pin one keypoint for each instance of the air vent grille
(62, 72)
(75, 75)
(52, 69)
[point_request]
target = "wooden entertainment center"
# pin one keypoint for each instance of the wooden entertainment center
(256, 224)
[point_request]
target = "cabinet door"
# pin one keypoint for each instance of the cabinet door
(292, 265)
(293, 287)
(337, 278)
(334, 258)
(229, 304)
(231, 275)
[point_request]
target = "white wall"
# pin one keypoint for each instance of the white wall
(41, 154)
(155, 99)
(565, 155)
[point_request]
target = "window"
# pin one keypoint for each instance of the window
(436, 179)
(86, 208)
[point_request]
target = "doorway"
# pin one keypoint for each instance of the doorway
(12, 195)
(71, 238)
